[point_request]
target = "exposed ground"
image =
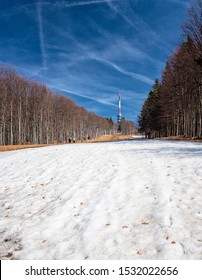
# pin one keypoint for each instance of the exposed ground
(103, 138)
(20, 147)
(112, 137)
(181, 138)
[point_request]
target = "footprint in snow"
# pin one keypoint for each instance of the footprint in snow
(125, 226)
(76, 215)
(144, 223)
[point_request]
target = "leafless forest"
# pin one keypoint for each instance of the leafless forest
(174, 105)
(31, 113)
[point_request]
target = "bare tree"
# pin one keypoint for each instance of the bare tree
(193, 27)
(31, 113)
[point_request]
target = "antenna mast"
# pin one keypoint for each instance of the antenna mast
(119, 116)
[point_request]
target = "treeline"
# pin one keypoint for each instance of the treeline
(31, 113)
(174, 105)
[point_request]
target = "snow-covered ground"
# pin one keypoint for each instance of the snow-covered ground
(124, 200)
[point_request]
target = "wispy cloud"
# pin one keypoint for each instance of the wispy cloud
(108, 101)
(127, 51)
(110, 56)
(41, 35)
(16, 8)
(77, 93)
(64, 4)
(92, 49)
(137, 76)
(181, 2)
(124, 9)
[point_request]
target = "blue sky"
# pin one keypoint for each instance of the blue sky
(91, 50)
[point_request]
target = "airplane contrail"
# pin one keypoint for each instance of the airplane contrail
(41, 35)
(64, 4)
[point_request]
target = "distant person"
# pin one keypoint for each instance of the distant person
(70, 139)
(74, 140)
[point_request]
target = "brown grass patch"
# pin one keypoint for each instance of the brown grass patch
(103, 138)
(181, 138)
(19, 147)
(111, 137)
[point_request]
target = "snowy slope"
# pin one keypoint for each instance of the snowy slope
(125, 200)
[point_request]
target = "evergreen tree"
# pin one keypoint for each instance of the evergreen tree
(149, 120)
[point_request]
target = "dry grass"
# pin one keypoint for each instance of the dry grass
(112, 137)
(103, 138)
(181, 138)
(19, 147)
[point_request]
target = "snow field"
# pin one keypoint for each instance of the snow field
(122, 200)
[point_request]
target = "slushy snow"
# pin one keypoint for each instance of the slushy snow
(123, 200)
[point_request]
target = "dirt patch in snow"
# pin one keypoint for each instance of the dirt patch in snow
(103, 138)
(19, 147)
(112, 137)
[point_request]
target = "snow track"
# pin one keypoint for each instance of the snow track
(123, 200)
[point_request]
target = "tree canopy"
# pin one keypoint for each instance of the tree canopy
(174, 106)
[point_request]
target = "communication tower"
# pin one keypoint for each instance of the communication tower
(119, 116)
